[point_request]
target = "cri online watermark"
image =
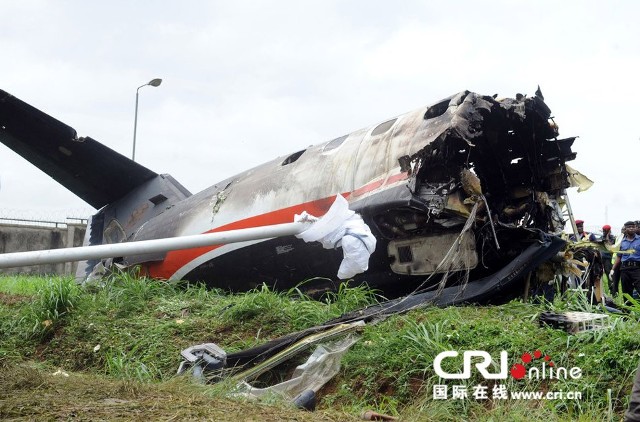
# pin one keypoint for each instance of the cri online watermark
(541, 367)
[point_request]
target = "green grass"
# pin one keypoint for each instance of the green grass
(23, 285)
(129, 332)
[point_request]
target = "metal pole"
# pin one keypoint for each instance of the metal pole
(570, 211)
(135, 126)
(154, 82)
(53, 256)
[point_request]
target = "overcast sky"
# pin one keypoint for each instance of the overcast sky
(247, 81)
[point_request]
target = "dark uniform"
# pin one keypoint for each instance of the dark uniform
(632, 272)
(630, 277)
(582, 235)
(630, 265)
(609, 240)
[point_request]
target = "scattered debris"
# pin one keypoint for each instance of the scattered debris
(60, 372)
(209, 363)
(575, 322)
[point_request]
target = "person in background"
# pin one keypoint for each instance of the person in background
(609, 240)
(582, 235)
(607, 236)
(629, 263)
(633, 411)
(614, 274)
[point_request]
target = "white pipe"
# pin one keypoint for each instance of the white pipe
(54, 256)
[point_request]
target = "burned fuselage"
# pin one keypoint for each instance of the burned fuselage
(461, 188)
(415, 180)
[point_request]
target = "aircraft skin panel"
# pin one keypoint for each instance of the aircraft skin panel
(208, 255)
(179, 262)
(317, 173)
(271, 262)
(176, 260)
(89, 169)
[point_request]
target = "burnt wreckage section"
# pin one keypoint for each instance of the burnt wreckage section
(495, 163)
(470, 188)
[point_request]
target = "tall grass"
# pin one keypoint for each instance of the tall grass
(348, 298)
(55, 299)
(21, 284)
(121, 365)
(141, 325)
(295, 309)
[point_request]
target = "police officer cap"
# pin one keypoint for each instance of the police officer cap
(579, 222)
(630, 223)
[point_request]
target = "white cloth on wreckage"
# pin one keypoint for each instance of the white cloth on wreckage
(341, 227)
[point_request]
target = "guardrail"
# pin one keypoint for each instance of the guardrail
(42, 223)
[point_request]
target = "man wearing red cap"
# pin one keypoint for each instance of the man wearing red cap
(582, 235)
(607, 236)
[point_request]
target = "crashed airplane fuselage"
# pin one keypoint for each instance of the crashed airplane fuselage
(472, 179)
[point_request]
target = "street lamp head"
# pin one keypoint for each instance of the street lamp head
(155, 82)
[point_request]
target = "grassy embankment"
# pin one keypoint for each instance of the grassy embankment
(111, 352)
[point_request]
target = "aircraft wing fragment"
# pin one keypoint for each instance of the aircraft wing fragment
(92, 171)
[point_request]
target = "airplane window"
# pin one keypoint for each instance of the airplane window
(436, 109)
(335, 143)
(383, 127)
(293, 157)
(114, 233)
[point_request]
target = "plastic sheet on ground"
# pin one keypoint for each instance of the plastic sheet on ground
(322, 365)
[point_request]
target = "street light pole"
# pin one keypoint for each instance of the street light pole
(154, 82)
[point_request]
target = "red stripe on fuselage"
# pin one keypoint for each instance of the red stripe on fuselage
(378, 183)
(177, 259)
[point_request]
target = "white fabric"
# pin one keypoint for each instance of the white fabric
(341, 227)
